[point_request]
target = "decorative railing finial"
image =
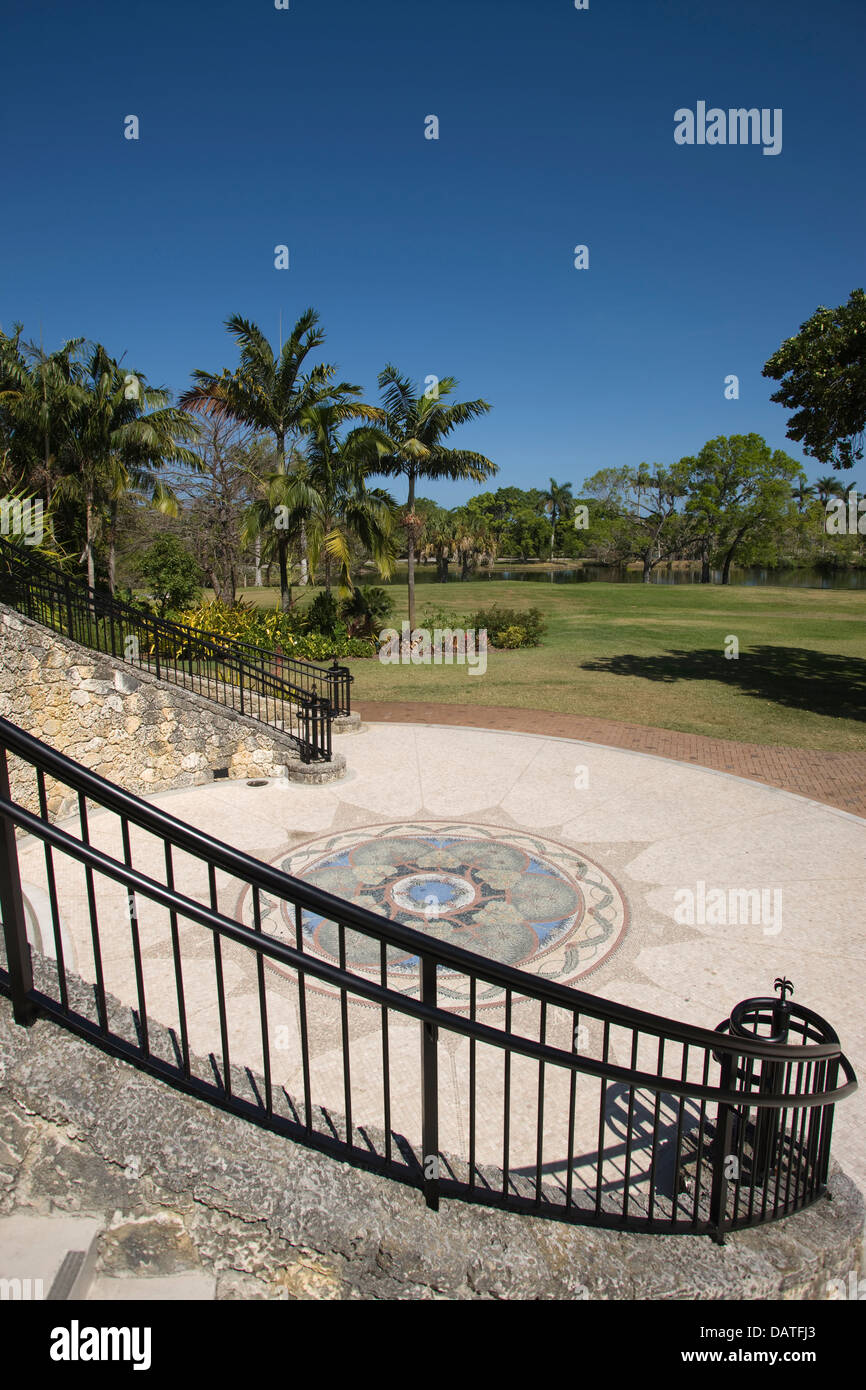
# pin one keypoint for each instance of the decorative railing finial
(784, 986)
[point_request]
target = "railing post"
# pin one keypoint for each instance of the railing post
(767, 1133)
(316, 728)
(18, 959)
(340, 685)
(304, 727)
(722, 1151)
(156, 648)
(429, 1088)
(325, 715)
(822, 1162)
(67, 589)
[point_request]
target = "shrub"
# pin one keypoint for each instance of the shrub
(366, 610)
(322, 615)
(359, 646)
(511, 637)
(263, 627)
(444, 620)
(272, 629)
(509, 627)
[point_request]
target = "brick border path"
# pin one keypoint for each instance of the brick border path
(837, 779)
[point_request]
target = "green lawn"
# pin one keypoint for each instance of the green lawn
(654, 654)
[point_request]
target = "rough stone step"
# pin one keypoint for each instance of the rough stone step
(347, 724)
(47, 1257)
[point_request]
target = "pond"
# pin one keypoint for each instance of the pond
(753, 575)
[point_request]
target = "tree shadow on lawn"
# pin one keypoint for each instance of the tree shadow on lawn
(794, 676)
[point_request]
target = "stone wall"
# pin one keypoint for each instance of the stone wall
(144, 734)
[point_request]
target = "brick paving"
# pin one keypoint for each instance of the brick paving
(836, 779)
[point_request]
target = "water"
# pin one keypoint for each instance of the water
(755, 576)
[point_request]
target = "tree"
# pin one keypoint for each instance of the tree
(37, 402)
(127, 481)
(475, 540)
(231, 462)
(558, 501)
(110, 444)
(171, 573)
(738, 487)
(417, 426)
(823, 374)
(515, 518)
(802, 494)
(828, 487)
(527, 535)
(329, 494)
(640, 516)
(440, 540)
(269, 392)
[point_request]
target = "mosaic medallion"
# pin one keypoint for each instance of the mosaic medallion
(512, 897)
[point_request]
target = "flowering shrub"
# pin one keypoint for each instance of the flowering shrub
(511, 637)
(270, 628)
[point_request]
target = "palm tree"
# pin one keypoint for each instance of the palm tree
(802, 494)
(270, 392)
(36, 405)
(557, 500)
(328, 493)
(129, 481)
(263, 528)
(475, 541)
(416, 426)
(643, 481)
(111, 441)
(828, 487)
(440, 542)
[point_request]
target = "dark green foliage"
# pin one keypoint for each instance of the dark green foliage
(510, 627)
(823, 374)
(322, 615)
(171, 574)
(366, 610)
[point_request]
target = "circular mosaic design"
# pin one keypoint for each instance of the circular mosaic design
(515, 898)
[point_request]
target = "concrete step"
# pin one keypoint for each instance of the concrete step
(47, 1257)
(153, 1289)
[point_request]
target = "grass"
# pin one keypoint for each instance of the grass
(654, 654)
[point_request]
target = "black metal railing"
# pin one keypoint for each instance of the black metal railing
(335, 680)
(567, 1104)
(297, 697)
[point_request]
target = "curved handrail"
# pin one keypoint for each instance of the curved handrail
(265, 876)
(265, 945)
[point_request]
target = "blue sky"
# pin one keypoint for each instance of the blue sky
(451, 257)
